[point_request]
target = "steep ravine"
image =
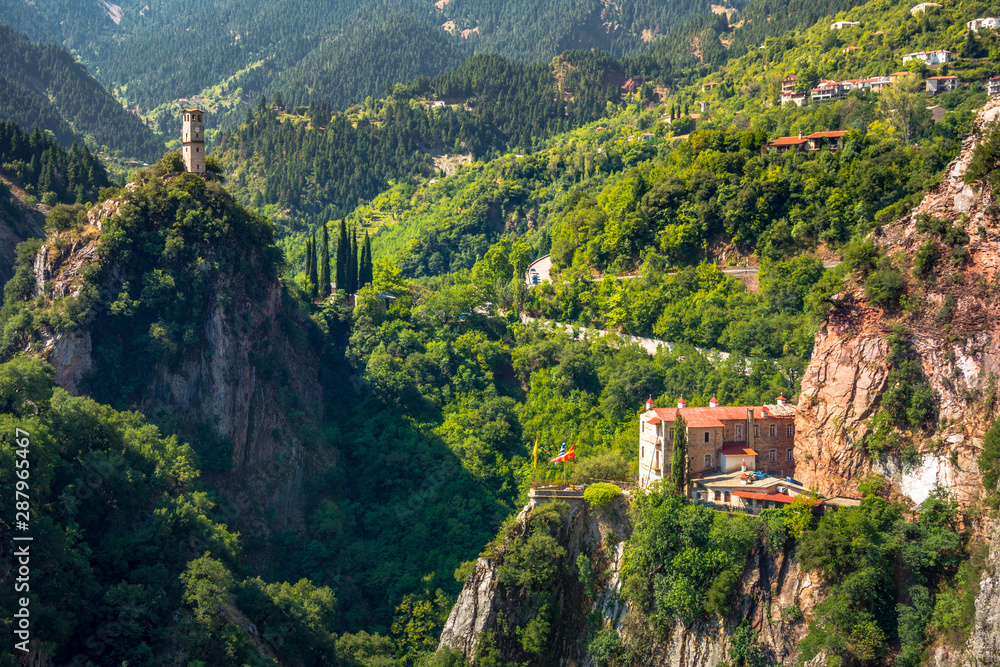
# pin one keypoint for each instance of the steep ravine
(769, 585)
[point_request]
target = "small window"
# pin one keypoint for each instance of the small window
(671, 435)
(706, 436)
(642, 452)
(774, 430)
(790, 430)
(756, 431)
(718, 496)
(773, 455)
(788, 455)
(708, 460)
(739, 432)
(728, 498)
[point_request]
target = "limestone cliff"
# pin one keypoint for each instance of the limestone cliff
(960, 354)
(245, 375)
(770, 588)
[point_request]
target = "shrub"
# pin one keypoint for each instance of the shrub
(861, 257)
(607, 649)
(885, 286)
(609, 465)
(989, 460)
(601, 493)
(947, 310)
(923, 261)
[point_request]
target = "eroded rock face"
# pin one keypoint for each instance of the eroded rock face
(242, 383)
(842, 387)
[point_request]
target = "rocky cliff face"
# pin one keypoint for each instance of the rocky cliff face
(252, 381)
(769, 589)
(843, 385)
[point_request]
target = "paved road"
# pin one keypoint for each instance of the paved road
(651, 345)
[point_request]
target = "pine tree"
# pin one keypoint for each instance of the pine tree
(313, 277)
(678, 457)
(324, 266)
(343, 249)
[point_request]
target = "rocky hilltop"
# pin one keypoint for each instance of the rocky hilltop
(950, 320)
(488, 611)
(234, 371)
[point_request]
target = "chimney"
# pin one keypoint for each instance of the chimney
(680, 402)
(649, 402)
(782, 400)
(713, 402)
(744, 465)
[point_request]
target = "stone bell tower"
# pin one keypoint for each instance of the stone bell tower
(194, 141)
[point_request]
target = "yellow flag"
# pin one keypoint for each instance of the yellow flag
(535, 452)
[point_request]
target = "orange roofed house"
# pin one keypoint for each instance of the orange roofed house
(720, 439)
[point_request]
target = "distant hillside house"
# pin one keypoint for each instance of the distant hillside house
(830, 140)
(828, 91)
(709, 85)
(988, 22)
(922, 7)
(719, 439)
(937, 113)
(993, 86)
(941, 84)
(929, 57)
(840, 25)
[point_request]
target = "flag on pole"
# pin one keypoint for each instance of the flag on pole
(534, 452)
(565, 456)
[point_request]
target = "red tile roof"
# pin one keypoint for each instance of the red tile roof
(708, 417)
(654, 421)
(826, 135)
(788, 141)
(774, 497)
(737, 450)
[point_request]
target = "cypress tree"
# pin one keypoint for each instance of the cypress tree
(352, 267)
(324, 267)
(678, 457)
(309, 251)
(313, 278)
(343, 248)
(366, 273)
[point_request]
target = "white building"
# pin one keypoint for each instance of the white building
(840, 25)
(988, 22)
(993, 86)
(923, 7)
(929, 57)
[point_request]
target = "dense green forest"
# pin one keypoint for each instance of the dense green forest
(46, 171)
(43, 86)
(328, 164)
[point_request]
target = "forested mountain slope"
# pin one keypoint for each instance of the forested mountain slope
(126, 44)
(43, 86)
(328, 164)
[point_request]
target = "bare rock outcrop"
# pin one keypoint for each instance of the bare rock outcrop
(959, 355)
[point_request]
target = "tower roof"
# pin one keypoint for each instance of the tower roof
(198, 110)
